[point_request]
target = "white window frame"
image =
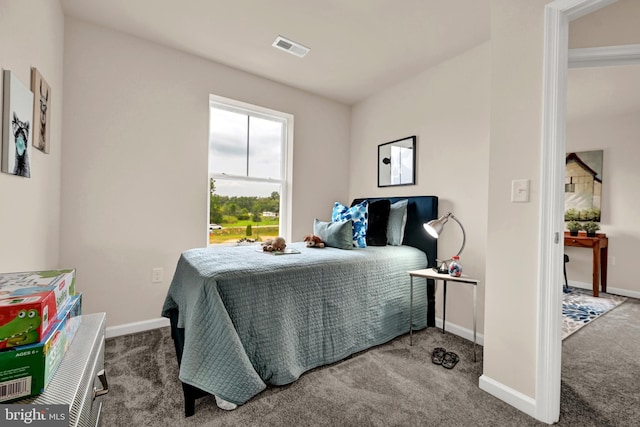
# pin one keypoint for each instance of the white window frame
(286, 163)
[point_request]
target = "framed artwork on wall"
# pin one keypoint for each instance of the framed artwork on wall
(41, 111)
(583, 186)
(397, 162)
(17, 126)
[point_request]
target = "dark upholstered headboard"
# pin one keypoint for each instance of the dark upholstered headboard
(420, 209)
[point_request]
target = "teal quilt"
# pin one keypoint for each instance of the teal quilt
(253, 318)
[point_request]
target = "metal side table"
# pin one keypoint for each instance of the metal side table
(429, 273)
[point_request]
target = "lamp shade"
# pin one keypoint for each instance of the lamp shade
(434, 228)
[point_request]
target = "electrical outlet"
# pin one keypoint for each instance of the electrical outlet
(157, 275)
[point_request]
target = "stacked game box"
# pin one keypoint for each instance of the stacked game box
(29, 301)
(31, 351)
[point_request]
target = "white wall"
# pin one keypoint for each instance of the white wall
(615, 24)
(512, 235)
(134, 172)
(618, 137)
(447, 108)
(31, 35)
(603, 114)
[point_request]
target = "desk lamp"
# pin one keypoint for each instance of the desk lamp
(434, 228)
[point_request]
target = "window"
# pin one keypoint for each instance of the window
(250, 152)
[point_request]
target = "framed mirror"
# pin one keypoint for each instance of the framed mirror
(397, 162)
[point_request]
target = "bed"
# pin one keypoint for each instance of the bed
(242, 320)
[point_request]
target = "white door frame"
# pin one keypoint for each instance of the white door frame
(557, 16)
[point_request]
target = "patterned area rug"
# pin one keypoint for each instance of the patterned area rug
(579, 307)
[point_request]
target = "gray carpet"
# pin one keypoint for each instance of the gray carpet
(601, 368)
(390, 385)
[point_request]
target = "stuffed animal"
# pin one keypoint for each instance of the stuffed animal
(277, 244)
(313, 241)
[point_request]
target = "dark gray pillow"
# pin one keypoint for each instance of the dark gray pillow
(335, 234)
(397, 222)
(378, 222)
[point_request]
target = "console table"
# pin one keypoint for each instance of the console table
(600, 246)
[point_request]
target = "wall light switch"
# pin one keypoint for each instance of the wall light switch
(520, 190)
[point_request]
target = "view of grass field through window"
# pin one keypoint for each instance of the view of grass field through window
(243, 217)
(245, 174)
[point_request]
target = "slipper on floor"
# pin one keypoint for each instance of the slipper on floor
(438, 355)
(450, 359)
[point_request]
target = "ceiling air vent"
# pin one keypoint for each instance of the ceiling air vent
(290, 46)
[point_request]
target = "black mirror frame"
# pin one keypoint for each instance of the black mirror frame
(385, 160)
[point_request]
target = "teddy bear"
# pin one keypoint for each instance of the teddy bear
(313, 241)
(277, 244)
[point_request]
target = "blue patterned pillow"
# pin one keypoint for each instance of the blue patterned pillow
(357, 214)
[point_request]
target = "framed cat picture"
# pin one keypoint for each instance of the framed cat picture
(17, 126)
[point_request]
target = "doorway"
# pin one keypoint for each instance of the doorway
(558, 14)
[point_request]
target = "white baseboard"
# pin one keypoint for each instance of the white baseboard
(513, 397)
(132, 328)
(460, 331)
(610, 290)
(145, 325)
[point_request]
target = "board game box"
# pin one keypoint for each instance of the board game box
(27, 370)
(29, 301)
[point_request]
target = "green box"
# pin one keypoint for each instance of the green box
(26, 370)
